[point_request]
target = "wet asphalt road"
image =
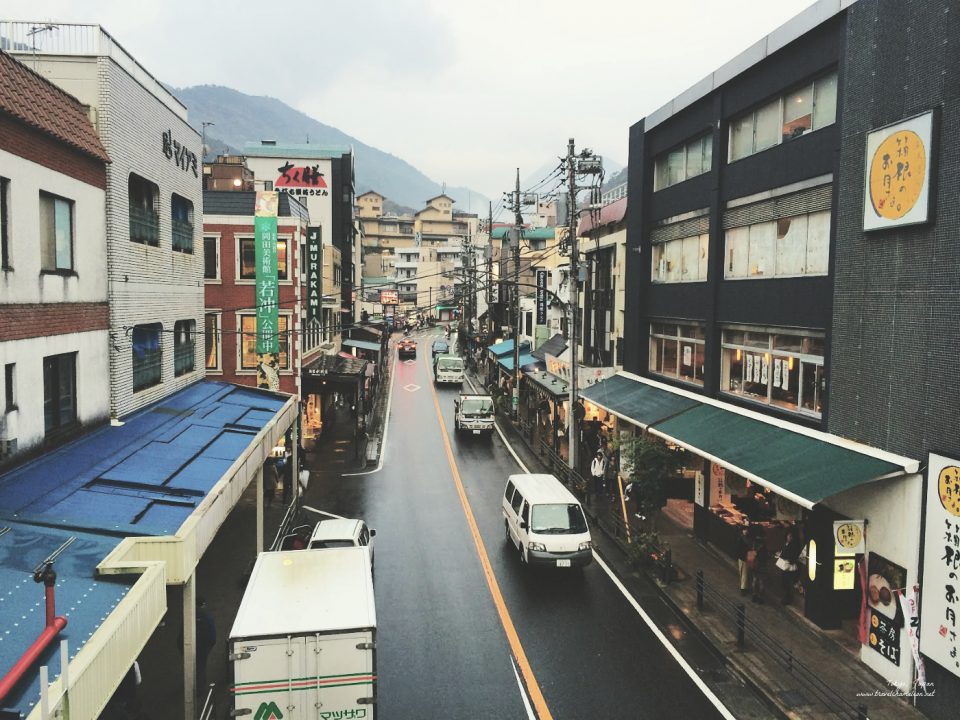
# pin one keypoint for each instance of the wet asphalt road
(442, 649)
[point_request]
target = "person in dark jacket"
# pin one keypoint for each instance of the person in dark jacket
(759, 570)
(744, 545)
(788, 563)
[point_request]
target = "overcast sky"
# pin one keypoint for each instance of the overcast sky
(465, 90)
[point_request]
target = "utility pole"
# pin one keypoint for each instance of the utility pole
(518, 226)
(575, 300)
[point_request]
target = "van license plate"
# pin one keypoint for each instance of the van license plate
(563, 563)
(476, 432)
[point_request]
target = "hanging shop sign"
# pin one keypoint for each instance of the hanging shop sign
(897, 177)
(884, 580)
(849, 538)
(909, 602)
(314, 270)
(884, 636)
(941, 564)
(541, 297)
(267, 301)
(844, 573)
(389, 297)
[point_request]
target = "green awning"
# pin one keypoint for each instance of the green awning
(636, 401)
(803, 465)
(555, 386)
(804, 468)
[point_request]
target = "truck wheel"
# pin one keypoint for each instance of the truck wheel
(506, 531)
(523, 559)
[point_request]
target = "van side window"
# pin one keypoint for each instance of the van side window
(508, 494)
(526, 514)
(517, 499)
(364, 537)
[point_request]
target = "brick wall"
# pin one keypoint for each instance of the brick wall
(147, 284)
(895, 370)
(38, 147)
(30, 320)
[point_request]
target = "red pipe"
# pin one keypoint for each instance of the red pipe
(54, 625)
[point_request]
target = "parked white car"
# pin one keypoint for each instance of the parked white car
(342, 532)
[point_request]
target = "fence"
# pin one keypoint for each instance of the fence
(749, 632)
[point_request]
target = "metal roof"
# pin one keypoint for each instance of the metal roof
(554, 346)
(243, 202)
(293, 150)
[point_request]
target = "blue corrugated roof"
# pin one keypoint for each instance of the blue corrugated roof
(526, 360)
(502, 348)
(147, 476)
(142, 478)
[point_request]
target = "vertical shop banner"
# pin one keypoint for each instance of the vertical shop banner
(909, 603)
(314, 269)
(541, 297)
(267, 289)
(885, 579)
(941, 565)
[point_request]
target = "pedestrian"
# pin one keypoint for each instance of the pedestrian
(746, 557)
(598, 469)
(788, 563)
(631, 494)
(759, 571)
(287, 475)
(270, 478)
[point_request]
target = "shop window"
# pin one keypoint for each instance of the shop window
(681, 260)
(184, 346)
(144, 199)
(808, 108)
(248, 342)
(684, 162)
(248, 262)
(780, 369)
(181, 220)
(211, 258)
(788, 247)
(147, 355)
(56, 233)
(211, 340)
(59, 392)
(677, 351)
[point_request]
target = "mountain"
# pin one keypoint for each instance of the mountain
(239, 118)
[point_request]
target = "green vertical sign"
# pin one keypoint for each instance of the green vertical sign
(265, 248)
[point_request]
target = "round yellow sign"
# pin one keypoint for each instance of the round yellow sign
(897, 172)
(849, 535)
(948, 487)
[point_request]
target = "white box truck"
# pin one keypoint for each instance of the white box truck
(303, 644)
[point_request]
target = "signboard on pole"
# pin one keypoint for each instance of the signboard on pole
(389, 297)
(314, 271)
(541, 297)
(267, 289)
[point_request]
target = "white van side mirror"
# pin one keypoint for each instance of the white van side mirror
(523, 524)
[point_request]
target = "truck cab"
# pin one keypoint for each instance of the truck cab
(448, 369)
(474, 414)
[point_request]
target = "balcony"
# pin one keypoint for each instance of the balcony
(145, 226)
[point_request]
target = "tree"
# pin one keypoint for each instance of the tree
(650, 464)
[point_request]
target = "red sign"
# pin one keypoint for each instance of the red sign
(389, 297)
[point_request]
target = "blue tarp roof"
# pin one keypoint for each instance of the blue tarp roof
(526, 360)
(142, 478)
(502, 348)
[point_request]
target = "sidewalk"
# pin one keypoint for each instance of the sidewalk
(798, 668)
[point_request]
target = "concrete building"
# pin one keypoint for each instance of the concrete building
(53, 256)
(790, 255)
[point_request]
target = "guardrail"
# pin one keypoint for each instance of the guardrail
(749, 631)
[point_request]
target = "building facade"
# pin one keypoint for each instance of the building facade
(154, 265)
(53, 251)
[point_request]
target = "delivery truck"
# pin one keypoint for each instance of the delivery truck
(303, 644)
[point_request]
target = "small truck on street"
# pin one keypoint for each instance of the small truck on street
(474, 414)
(303, 644)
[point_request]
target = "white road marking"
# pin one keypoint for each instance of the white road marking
(386, 425)
(411, 387)
(523, 691)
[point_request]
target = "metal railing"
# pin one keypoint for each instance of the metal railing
(750, 632)
(144, 226)
(184, 357)
(147, 369)
(182, 233)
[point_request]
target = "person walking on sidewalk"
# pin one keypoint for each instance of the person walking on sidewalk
(744, 549)
(788, 562)
(598, 469)
(759, 569)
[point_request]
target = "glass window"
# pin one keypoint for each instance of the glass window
(516, 502)
(59, 392)
(762, 252)
(211, 338)
(788, 247)
(707, 159)
(184, 346)
(143, 198)
(677, 351)
(767, 126)
(741, 137)
(558, 519)
(798, 113)
(791, 245)
(825, 101)
(683, 163)
(211, 258)
(675, 166)
(248, 263)
(248, 350)
(181, 219)
(774, 368)
(56, 233)
(147, 355)
(818, 243)
(10, 386)
(4, 225)
(738, 245)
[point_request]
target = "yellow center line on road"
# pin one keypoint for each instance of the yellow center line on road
(539, 703)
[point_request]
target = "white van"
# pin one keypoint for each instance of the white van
(545, 522)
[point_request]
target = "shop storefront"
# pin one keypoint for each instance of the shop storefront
(740, 470)
(327, 379)
(545, 408)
